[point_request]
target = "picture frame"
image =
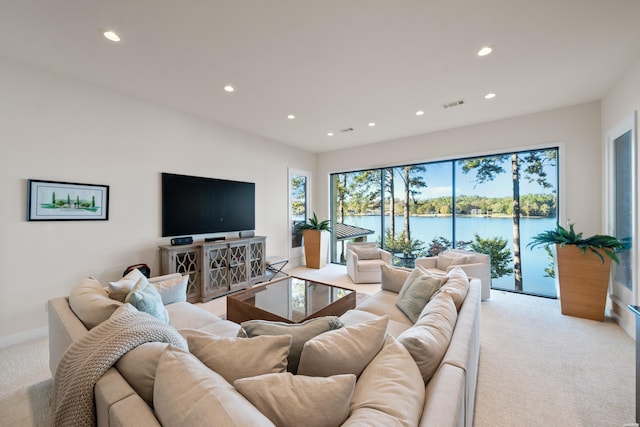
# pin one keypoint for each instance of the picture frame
(66, 201)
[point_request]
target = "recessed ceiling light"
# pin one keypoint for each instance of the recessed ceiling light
(330, 134)
(490, 95)
(291, 117)
(371, 124)
(486, 50)
(111, 36)
(419, 113)
(229, 88)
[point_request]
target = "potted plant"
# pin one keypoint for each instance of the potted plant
(315, 238)
(584, 269)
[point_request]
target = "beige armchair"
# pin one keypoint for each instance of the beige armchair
(364, 260)
(474, 264)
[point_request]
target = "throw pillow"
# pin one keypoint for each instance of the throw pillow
(173, 290)
(415, 293)
(145, 297)
(295, 400)
(300, 333)
(187, 393)
(344, 351)
(236, 358)
(428, 340)
(390, 391)
(120, 289)
(445, 260)
(394, 277)
(366, 252)
(91, 303)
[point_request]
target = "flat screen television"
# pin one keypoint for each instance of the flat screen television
(197, 205)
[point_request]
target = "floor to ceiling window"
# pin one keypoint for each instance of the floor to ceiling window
(490, 204)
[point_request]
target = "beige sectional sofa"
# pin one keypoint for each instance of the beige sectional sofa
(421, 373)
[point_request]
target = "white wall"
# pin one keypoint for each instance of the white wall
(576, 129)
(54, 128)
(621, 101)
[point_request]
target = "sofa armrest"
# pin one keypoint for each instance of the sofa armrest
(64, 329)
(427, 262)
(386, 256)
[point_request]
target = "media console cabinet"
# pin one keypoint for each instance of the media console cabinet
(217, 268)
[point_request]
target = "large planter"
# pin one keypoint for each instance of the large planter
(316, 246)
(583, 281)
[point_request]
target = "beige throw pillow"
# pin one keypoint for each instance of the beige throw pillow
(138, 367)
(173, 290)
(367, 252)
(415, 293)
(394, 277)
(445, 260)
(457, 285)
(236, 358)
(91, 303)
(343, 351)
(300, 333)
(120, 289)
(390, 391)
(296, 400)
(187, 393)
(428, 340)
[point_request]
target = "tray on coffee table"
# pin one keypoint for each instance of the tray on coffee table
(289, 299)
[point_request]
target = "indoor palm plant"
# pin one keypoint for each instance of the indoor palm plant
(584, 268)
(315, 237)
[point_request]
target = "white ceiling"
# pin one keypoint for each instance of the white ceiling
(335, 64)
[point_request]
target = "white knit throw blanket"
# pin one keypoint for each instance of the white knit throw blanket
(86, 360)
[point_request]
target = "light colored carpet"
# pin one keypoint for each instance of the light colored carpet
(537, 367)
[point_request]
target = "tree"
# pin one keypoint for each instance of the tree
(413, 180)
(532, 165)
(496, 248)
(53, 199)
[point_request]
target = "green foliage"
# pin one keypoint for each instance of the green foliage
(550, 270)
(400, 245)
(441, 244)
(496, 248)
(314, 224)
(562, 236)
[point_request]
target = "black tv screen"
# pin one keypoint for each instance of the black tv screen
(196, 205)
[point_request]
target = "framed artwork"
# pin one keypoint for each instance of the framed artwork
(66, 201)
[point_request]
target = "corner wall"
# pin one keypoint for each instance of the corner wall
(622, 100)
(58, 129)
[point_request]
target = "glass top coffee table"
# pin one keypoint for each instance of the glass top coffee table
(290, 299)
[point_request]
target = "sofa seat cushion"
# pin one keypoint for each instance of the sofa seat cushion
(346, 350)
(236, 358)
(222, 328)
(352, 317)
(427, 341)
(91, 303)
(184, 315)
(370, 264)
(298, 400)
(390, 391)
(384, 303)
(187, 393)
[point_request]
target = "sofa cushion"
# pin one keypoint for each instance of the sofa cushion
(172, 290)
(138, 367)
(427, 341)
(91, 303)
(383, 303)
(457, 285)
(145, 297)
(366, 252)
(371, 264)
(184, 315)
(416, 292)
(297, 400)
(187, 393)
(236, 358)
(346, 350)
(300, 333)
(446, 259)
(120, 289)
(394, 277)
(390, 391)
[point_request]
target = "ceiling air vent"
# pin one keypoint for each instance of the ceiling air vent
(346, 130)
(453, 104)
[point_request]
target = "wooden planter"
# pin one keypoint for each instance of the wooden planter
(316, 244)
(584, 282)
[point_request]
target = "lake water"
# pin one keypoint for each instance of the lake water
(533, 261)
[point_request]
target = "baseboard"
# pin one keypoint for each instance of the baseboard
(23, 337)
